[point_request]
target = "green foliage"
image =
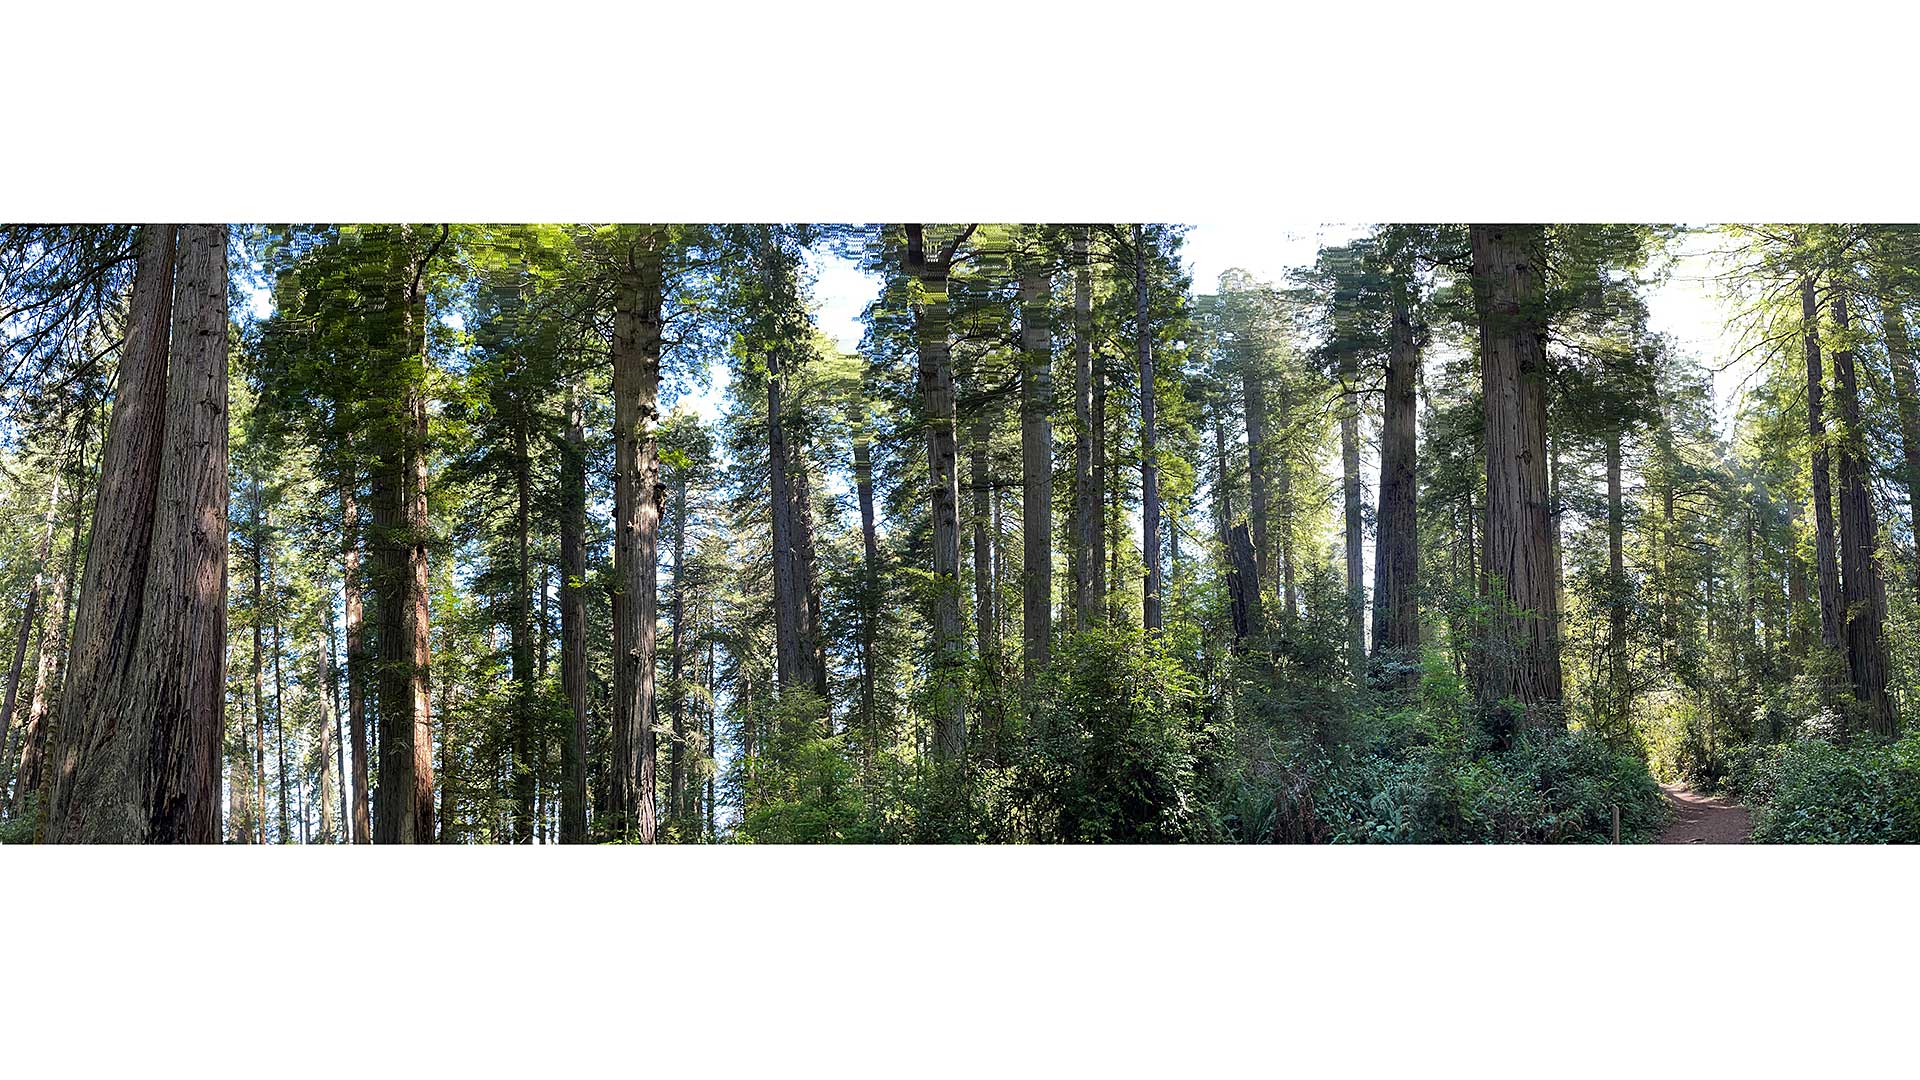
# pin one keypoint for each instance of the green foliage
(1109, 754)
(1813, 791)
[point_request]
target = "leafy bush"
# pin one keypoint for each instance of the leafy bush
(1109, 754)
(1815, 792)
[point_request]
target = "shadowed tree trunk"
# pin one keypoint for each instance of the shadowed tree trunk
(986, 624)
(526, 769)
(1253, 408)
(1082, 552)
(869, 585)
(637, 498)
(403, 806)
(1396, 557)
(677, 703)
(1149, 439)
(1036, 469)
(937, 403)
(1865, 595)
(140, 763)
(361, 814)
(573, 621)
(1523, 662)
(1351, 515)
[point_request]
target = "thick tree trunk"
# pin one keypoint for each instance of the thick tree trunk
(1149, 440)
(1825, 559)
(1036, 469)
(937, 403)
(1085, 543)
(1243, 585)
(573, 621)
(107, 606)
(1396, 553)
(789, 599)
(403, 804)
(361, 815)
(637, 498)
(1523, 662)
(1865, 595)
(144, 766)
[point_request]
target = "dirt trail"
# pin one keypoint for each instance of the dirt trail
(1704, 819)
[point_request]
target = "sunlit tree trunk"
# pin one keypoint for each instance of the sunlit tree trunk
(1523, 664)
(1826, 562)
(638, 496)
(1352, 510)
(937, 403)
(144, 766)
(869, 586)
(1149, 439)
(361, 814)
(1083, 550)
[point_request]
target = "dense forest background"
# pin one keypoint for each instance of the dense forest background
(443, 533)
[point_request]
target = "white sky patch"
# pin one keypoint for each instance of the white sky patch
(841, 292)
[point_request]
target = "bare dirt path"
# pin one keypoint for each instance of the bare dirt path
(1704, 819)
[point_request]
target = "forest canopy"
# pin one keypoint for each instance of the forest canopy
(455, 533)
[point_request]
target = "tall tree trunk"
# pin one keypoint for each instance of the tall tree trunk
(1151, 598)
(323, 668)
(869, 588)
(937, 402)
(1243, 585)
(1086, 499)
(1509, 286)
(985, 623)
(1906, 399)
(361, 815)
(1253, 407)
(525, 768)
(1350, 490)
(30, 611)
(50, 673)
(1102, 555)
(1865, 596)
(573, 621)
(279, 706)
(403, 804)
(1396, 553)
(145, 766)
(677, 700)
(1036, 469)
(1825, 560)
(107, 606)
(257, 660)
(637, 498)
(1618, 689)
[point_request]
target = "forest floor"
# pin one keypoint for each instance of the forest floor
(1704, 819)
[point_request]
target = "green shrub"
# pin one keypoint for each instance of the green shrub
(1815, 792)
(1109, 753)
